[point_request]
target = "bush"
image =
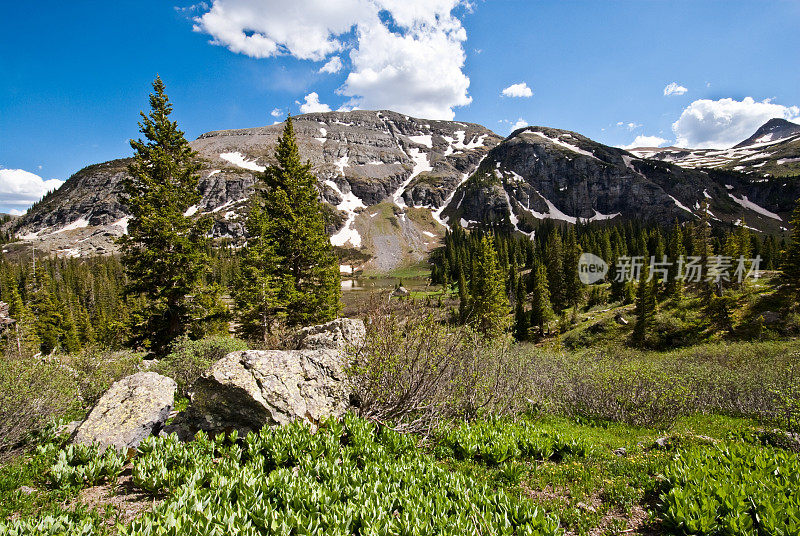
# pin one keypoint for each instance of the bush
(188, 359)
(654, 388)
(95, 369)
(33, 392)
(417, 371)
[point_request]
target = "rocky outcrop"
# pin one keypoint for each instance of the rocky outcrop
(251, 389)
(132, 409)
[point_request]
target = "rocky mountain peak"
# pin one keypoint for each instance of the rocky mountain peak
(774, 130)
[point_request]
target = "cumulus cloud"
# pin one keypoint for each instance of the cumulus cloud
(645, 141)
(334, 65)
(15, 212)
(517, 90)
(405, 55)
(312, 104)
(521, 123)
(20, 188)
(719, 124)
(673, 88)
(276, 112)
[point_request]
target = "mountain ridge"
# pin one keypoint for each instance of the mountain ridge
(392, 184)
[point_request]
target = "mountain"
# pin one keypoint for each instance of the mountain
(772, 131)
(393, 183)
(772, 151)
(391, 163)
(544, 173)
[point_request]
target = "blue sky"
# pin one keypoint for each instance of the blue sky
(75, 75)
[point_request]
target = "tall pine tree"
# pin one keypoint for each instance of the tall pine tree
(541, 311)
(306, 271)
(164, 250)
(256, 290)
(489, 302)
(790, 264)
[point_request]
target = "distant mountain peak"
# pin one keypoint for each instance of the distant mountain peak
(772, 131)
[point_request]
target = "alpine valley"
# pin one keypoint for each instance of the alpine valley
(392, 184)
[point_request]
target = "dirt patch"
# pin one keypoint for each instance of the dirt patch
(127, 500)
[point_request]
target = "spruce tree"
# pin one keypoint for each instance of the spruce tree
(521, 320)
(645, 308)
(676, 250)
(256, 289)
(163, 252)
(541, 311)
(489, 302)
(790, 261)
(573, 289)
(555, 269)
(306, 270)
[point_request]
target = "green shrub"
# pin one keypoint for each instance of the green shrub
(418, 371)
(96, 369)
(33, 392)
(189, 359)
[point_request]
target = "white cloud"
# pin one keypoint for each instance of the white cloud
(517, 90)
(15, 212)
(718, 124)
(312, 104)
(673, 88)
(20, 188)
(277, 112)
(645, 141)
(521, 123)
(406, 55)
(334, 65)
(306, 29)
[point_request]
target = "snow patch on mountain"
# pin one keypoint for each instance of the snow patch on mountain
(238, 159)
(746, 203)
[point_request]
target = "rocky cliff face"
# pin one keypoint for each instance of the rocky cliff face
(393, 183)
(362, 159)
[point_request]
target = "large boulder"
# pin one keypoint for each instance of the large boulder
(132, 409)
(250, 389)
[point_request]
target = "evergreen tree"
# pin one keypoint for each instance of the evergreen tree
(463, 296)
(521, 321)
(676, 250)
(163, 252)
(256, 291)
(555, 269)
(790, 262)
(645, 309)
(306, 270)
(48, 319)
(541, 311)
(573, 289)
(489, 302)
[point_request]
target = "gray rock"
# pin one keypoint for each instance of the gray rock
(771, 317)
(621, 452)
(400, 292)
(255, 388)
(132, 409)
(341, 334)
